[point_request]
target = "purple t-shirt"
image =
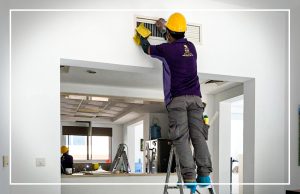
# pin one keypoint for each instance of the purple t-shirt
(179, 68)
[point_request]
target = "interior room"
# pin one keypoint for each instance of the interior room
(83, 107)
(129, 118)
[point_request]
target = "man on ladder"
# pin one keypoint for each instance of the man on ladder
(183, 99)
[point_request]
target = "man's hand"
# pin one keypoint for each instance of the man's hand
(160, 24)
(145, 45)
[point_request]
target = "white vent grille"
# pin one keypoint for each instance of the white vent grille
(193, 32)
(150, 24)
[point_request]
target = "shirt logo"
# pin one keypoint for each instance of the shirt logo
(187, 52)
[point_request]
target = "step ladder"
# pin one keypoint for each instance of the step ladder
(121, 160)
(178, 171)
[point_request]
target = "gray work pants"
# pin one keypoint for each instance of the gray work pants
(186, 124)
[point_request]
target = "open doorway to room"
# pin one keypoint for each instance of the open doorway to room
(135, 135)
(231, 144)
(94, 127)
(236, 154)
(122, 102)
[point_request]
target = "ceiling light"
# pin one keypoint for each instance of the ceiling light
(101, 99)
(76, 97)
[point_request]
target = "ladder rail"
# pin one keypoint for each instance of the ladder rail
(126, 163)
(211, 190)
(169, 170)
(117, 157)
(121, 154)
(178, 170)
(179, 186)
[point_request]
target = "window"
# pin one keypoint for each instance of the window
(77, 146)
(98, 143)
(82, 146)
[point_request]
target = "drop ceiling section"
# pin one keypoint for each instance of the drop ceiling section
(114, 109)
(91, 108)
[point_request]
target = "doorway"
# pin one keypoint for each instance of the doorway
(231, 144)
(135, 134)
(236, 155)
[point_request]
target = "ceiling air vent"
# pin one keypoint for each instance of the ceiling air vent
(64, 69)
(150, 24)
(193, 32)
(217, 82)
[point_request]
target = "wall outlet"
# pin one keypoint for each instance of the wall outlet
(40, 162)
(5, 161)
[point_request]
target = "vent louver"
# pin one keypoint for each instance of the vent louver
(193, 32)
(150, 24)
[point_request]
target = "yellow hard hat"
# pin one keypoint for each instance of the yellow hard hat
(176, 23)
(95, 166)
(64, 149)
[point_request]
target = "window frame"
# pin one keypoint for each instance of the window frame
(88, 146)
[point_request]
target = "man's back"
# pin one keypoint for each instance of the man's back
(180, 68)
(67, 161)
(183, 99)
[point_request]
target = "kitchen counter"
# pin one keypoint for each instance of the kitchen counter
(116, 183)
(122, 178)
(75, 175)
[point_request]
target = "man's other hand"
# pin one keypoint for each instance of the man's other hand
(160, 24)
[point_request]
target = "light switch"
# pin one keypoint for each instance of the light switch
(5, 161)
(40, 162)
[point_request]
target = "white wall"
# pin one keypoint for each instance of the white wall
(29, 189)
(76, 35)
(249, 134)
(115, 189)
(134, 132)
(215, 109)
(131, 146)
(129, 137)
(224, 145)
(4, 98)
(218, 136)
(225, 134)
(295, 97)
(111, 91)
(138, 135)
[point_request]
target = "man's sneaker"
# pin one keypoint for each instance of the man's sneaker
(192, 185)
(204, 180)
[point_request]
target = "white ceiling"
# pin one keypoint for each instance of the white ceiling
(263, 4)
(151, 80)
(116, 110)
(131, 108)
(113, 78)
